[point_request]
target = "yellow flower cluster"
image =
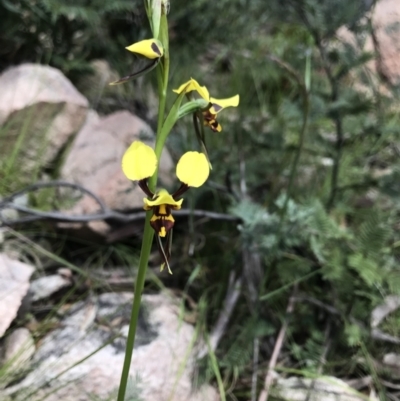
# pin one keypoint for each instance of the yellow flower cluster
(215, 105)
(153, 50)
(139, 162)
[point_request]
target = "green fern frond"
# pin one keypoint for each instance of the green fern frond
(367, 268)
(373, 234)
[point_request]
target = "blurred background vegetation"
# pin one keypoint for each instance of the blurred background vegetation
(309, 164)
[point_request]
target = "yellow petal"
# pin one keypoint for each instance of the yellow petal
(182, 88)
(193, 169)
(193, 85)
(220, 104)
(163, 198)
(150, 48)
(139, 161)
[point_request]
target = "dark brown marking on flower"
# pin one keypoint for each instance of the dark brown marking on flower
(208, 116)
(210, 121)
(144, 187)
(180, 191)
(160, 222)
(217, 107)
(214, 125)
(156, 49)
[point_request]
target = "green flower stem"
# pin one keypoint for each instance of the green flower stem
(148, 234)
(162, 78)
(164, 75)
(139, 284)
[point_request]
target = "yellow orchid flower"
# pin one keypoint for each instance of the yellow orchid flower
(139, 163)
(149, 48)
(216, 105)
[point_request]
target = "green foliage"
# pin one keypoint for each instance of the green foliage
(353, 334)
(68, 35)
(322, 17)
(334, 234)
(347, 242)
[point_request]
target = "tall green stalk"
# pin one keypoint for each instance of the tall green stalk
(139, 284)
(148, 234)
(157, 49)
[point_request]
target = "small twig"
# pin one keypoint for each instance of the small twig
(393, 397)
(232, 295)
(104, 214)
(49, 184)
(108, 214)
(60, 216)
(318, 303)
(390, 385)
(277, 348)
(377, 334)
(360, 383)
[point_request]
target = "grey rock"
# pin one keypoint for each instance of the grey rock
(324, 388)
(95, 87)
(43, 287)
(41, 110)
(392, 359)
(91, 342)
(385, 21)
(14, 285)
(19, 348)
(94, 161)
(8, 213)
(389, 305)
